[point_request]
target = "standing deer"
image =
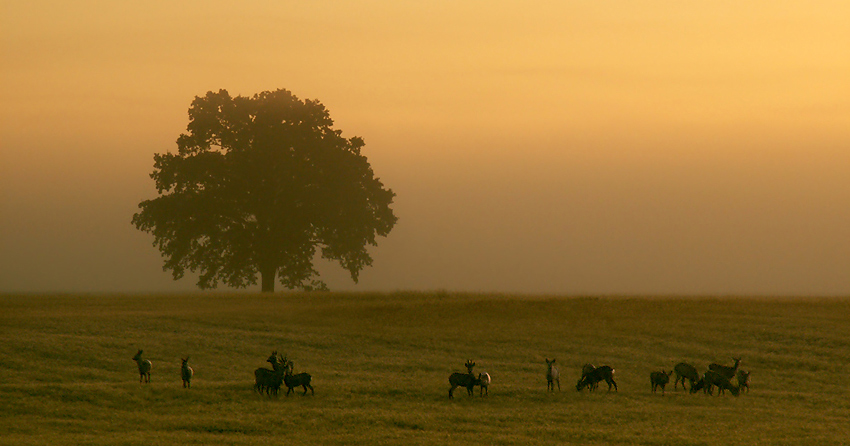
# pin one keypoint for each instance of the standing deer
(685, 371)
(144, 367)
(467, 379)
(659, 379)
(743, 380)
(726, 371)
(552, 376)
(186, 372)
(291, 381)
(269, 380)
(484, 382)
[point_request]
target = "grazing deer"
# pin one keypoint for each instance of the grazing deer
(699, 384)
(291, 381)
(552, 376)
(186, 372)
(467, 379)
(726, 371)
(685, 371)
(712, 378)
(659, 379)
(484, 382)
(598, 374)
(585, 369)
(144, 367)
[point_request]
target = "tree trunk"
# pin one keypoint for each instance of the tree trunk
(267, 278)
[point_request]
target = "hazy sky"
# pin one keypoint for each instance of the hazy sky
(640, 147)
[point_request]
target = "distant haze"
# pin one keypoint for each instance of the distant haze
(655, 147)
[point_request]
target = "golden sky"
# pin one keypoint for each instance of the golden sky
(535, 146)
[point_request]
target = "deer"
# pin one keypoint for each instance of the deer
(279, 367)
(711, 378)
(291, 381)
(484, 382)
(144, 368)
(269, 380)
(467, 379)
(726, 371)
(186, 372)
(659, 379)
(598, 374)
(743, 380)
(585, 369)
(552, 376)
(685, 371)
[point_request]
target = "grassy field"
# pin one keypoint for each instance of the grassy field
(380, 366)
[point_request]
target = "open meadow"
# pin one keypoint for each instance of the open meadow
(380, 365)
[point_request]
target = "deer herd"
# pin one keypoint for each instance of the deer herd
(717, 375)
(723, 377)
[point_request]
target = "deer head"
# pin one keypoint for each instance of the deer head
(273, 358)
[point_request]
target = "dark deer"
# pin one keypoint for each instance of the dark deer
(699, 385)
(186, 372)
(585, 369)
(726, 371)
(552, 376)
(144, 367)
(744, 380)
(598, 374)
(291, 381)
(269, 380)
(659, 379)
(685, 371)
(467, 379)
(711, 379)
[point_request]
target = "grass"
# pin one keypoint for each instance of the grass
(380, 366)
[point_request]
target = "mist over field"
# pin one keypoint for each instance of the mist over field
(572, 148)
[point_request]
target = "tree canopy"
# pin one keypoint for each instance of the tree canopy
(257, 186)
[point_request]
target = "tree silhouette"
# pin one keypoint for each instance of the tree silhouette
(257, 185)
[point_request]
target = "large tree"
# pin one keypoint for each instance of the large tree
(257, 185)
